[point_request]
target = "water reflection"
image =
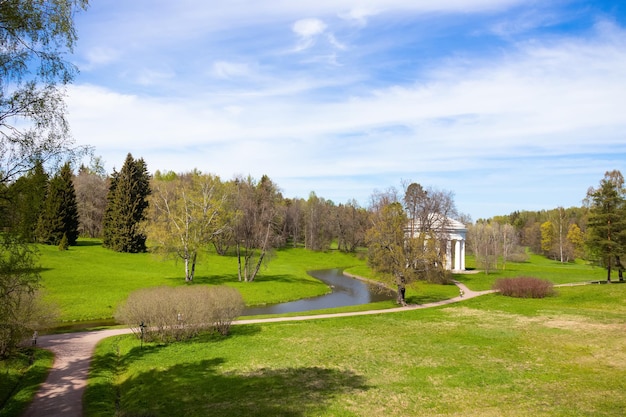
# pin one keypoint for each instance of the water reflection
(346, 291)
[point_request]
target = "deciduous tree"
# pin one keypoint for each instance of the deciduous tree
(184, 215)
(35, 36)
(405, 241)
(91, 195)
(257, 224)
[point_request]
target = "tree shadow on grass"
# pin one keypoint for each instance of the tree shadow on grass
(199, 389)
(230, 278)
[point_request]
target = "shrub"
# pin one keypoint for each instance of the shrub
(170, 314)
(524, 287)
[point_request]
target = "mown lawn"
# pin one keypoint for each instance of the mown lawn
(88, 282)
(490, 356)
(537, 266)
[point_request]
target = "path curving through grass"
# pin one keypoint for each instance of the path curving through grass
(61, 394)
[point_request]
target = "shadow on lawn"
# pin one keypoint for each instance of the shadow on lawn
(230, 278)
(199, 388)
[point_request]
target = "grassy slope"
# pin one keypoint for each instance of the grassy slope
(491, 356)
(88, 281)
(20, 380)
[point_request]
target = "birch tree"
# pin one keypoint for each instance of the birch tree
(184, 213)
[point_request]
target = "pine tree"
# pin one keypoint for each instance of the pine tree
(60, 211)
(126, 207)
(606, 237)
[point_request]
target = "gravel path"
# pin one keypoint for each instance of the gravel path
(61, 394)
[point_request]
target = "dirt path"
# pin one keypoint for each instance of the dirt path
(62, 392)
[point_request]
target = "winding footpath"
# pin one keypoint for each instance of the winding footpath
(61, 394)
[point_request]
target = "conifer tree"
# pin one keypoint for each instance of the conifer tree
(606, 237)
(26, 199)
(60, 211)
(126, 207)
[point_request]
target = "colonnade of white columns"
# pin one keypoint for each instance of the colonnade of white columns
(459, 255)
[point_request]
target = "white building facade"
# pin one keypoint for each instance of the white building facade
(453, 236)
(455, 246)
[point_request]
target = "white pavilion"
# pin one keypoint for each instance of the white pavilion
(454, 233)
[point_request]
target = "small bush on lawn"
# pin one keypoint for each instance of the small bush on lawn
(524, 287)
(168, 314)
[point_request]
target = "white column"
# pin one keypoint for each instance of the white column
(463, 255)
(448, 255)
(457, 255)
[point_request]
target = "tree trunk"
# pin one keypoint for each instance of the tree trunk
(620, 268)
(608, 271)
(238, 262)
(400, 297)
(193, 266)
(187, 268)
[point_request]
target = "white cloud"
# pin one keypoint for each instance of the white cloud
(99, 56)
(307, 30)
(533, 109)
(229, 70)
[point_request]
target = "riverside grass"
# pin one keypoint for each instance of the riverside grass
(88, 282)
(488, 356)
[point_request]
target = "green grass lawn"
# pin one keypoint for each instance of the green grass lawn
(20, 378)
(537, 266)
(88, 282)
(490, 356)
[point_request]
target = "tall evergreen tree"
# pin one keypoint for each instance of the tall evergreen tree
(606, 229)
(126, 207)
(26, 200)
(60, 211)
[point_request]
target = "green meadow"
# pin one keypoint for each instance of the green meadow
(88, 282)
(490, 356)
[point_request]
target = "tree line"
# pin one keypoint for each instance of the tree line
(595, 231)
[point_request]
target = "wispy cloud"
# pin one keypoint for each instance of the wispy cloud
(307, 31)
(493, 104)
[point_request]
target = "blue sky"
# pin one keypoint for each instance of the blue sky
(509, 104)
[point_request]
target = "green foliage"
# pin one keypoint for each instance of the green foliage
(21, 309)
(126, 206)
(35, 37)
(59, 216)
(606, 233)
(487, 356)
(21, 378)
(71, 276)
(26, 198)
(184, 216)
(524, 287)
(64, 243)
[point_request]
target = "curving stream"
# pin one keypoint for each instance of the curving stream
(346, 291)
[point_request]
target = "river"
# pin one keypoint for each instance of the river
(346, 291)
